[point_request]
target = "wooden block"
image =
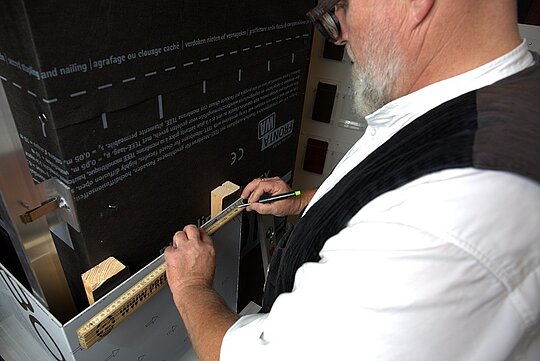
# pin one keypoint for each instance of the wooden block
(104, 277)
(222, 196)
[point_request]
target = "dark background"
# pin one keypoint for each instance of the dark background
(135, 218)
(529, 12)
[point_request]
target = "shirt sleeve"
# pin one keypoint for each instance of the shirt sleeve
(405, 294)
(422, 273)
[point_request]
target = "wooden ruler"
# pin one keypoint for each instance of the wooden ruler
(121, 308)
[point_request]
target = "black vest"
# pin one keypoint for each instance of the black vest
(496, 127)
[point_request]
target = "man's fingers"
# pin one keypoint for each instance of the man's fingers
(192, 232)
(256, 194)
(205, 238)
(178, 238)
(250, 187)
(268, 186)
(260, 208)
(168, 253)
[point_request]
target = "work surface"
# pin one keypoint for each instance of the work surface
(17, 344)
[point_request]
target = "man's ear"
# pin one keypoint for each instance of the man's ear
(420, 9)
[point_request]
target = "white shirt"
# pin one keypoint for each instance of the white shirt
(446, 267)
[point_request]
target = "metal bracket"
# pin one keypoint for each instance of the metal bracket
(66, 211)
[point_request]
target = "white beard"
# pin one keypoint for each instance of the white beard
(374, 80)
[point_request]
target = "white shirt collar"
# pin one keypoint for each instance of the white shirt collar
(388, 120)
(403, 110)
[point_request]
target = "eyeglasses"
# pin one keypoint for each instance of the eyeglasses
(325, 19)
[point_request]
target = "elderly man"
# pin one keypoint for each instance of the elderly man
(424, 243)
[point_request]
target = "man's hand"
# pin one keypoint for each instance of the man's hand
(286, 207)
(190, 260)
(190, 273)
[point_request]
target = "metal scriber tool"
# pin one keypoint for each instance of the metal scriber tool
(277, 197)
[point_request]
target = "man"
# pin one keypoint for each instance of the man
(424, 243)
